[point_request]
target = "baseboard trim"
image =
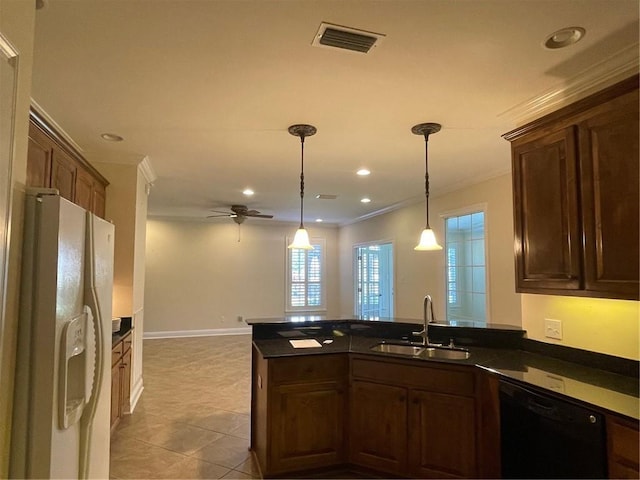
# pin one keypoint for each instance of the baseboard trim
(197, 333)
(136, 393)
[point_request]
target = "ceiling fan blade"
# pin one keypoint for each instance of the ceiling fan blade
(221, 211)
(261, 216)
(251, 213)
(221, 215)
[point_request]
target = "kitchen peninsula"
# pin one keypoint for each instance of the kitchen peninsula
(323, 399)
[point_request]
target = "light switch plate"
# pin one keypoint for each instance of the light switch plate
(553, 328)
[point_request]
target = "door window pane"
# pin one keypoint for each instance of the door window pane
(466, 271)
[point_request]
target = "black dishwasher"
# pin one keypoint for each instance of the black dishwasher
(545, 437)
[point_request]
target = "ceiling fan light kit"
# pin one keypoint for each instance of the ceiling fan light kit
(301, 238)
(239, 214)
(427, 238)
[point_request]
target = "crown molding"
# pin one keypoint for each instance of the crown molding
(61, 132)
(147, 170)
(615, 68)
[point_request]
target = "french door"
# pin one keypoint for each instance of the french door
(373, 280)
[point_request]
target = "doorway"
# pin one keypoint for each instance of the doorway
(373, 280)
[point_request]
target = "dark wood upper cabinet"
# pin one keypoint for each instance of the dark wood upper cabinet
(53, 163)
(609, 196)
(576, 197)
(64, 170)
(39, 153)
(546, 212)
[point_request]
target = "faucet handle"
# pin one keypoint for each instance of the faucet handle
(451, 344)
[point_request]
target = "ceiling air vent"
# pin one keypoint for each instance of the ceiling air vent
(345, 38)
(326, 196)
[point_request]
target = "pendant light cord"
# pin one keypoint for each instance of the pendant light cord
(426, 174)
(301, 179)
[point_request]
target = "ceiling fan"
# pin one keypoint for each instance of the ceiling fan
(239, 213)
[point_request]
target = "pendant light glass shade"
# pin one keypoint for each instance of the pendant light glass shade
(428, 241)
(428, 238)
(301, 239)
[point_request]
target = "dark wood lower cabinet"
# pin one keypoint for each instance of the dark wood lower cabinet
(378, 426)
(442, 435)
(299, 412)
(399, 418)
(120, 380)
(623, 447)
(308, 428)
(389, 417)
(416, 420)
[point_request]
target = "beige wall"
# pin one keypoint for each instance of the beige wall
(17, 25)
(121, 198)
(127, 208)
(598, 325)
(199, 277)
(418, 273)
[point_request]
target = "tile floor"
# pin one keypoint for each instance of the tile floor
(192, 420)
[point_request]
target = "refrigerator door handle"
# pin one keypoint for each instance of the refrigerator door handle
(91, 297)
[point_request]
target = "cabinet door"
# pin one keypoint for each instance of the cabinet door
(84, 189)
(307, 426)
(99, 200)
(125, 382)
(622, 448)
(378, 426)
(63, 174)
(547, 241)
(39, 154)
(442, 435)
(115, 394)
(610, 198)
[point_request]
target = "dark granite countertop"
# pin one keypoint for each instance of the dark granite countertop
(609, 391)
(119, 336)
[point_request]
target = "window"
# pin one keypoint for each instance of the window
(466, 269)
(305, 278)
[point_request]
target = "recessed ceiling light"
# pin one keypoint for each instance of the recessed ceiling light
(111, 137)
(365, 200)
(363, 172)
(564, 37)
(248, 192)
(319, 220)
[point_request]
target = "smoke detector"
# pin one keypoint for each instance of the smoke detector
(346, 38)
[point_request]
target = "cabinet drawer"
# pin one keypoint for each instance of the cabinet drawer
(116, 353)
(308, 369)
(438, 379)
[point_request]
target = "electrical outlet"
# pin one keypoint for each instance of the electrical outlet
(553, 328)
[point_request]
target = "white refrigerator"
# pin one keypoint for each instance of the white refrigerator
(61, 421)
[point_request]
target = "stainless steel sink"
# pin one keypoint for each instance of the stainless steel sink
(417, 350)
(447, 353)
(411, 350)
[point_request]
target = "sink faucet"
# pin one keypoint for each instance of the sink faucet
(428, 317)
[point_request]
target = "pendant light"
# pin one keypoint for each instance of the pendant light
(301, 239)
(428, 238)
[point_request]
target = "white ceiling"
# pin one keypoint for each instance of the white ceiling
(206, 90)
